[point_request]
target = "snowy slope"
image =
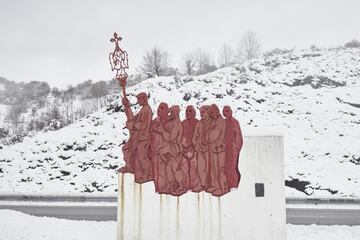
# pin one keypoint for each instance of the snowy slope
(296, 91)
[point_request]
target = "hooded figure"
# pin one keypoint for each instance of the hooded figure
(171, 153)
(158, 166)
(233, 145)
(217, 156)
(201, 146)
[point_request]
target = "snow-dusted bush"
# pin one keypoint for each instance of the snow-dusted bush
(353, 44)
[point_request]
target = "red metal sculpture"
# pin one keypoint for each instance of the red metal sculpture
(119, 61)
(136, 150)
(179, 156)
(159, 166)
(233, 144)
(189, 153)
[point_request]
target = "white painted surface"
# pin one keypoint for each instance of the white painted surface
(143, 214)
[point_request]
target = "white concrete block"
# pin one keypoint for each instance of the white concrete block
(145, 215)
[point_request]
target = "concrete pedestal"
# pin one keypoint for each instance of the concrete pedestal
(256, 210)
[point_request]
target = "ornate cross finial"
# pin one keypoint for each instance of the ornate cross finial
(116, 39)
(118, 59)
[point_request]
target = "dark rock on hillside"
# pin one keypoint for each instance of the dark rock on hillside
(65, 173)
(315, 82)
(297, 184)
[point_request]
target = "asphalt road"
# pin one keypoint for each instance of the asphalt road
(299, 211)
(304, 216)
(94, 213)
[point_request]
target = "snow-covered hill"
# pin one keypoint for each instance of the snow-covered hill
(303, 92)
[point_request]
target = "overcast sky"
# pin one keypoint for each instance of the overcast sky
(66, 42)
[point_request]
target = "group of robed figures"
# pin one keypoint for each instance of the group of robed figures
(180, 156)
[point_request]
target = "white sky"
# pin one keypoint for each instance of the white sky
(66, 42)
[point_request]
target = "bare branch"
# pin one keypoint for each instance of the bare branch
(226, 55)
(155, 62)
(250, 46)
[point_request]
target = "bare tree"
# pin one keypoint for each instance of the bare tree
(13, 117)
(353, 44)
(250, 46)
(69, 97)
(54, 105)
(155, 62)
(55, 92)
(202, 59)
(98, 90)
(37, 91)
(82, 110)
(226, 55)
(188, 63)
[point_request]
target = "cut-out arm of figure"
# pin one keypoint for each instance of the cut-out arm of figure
(129, 113)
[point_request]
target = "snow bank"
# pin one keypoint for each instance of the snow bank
(316, 232)
(19, 226)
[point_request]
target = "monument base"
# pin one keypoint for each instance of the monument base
(256, 210)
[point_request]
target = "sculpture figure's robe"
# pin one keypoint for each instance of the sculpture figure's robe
(171, 153)
(189, 154)
(202, 150)
(233, 143)
(136, 151)
(128, 149)
(130, 146)
(217, 157)
(158, 166)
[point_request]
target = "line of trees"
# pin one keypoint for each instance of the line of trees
(34, 106)
(156, 61)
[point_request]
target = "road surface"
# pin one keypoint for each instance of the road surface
(298, 211)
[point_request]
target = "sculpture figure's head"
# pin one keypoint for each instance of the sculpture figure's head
(227, 112)
(163, 110)
(142, 99)
(204, 111)
(190, 112)
(214, 111)
(174, 112)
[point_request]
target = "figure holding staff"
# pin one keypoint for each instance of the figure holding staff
(136, 149)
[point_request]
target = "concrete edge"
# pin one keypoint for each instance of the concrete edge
(113, 198)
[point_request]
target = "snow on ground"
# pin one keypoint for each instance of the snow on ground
(318, 232)
(19, 226)
(303, 93)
